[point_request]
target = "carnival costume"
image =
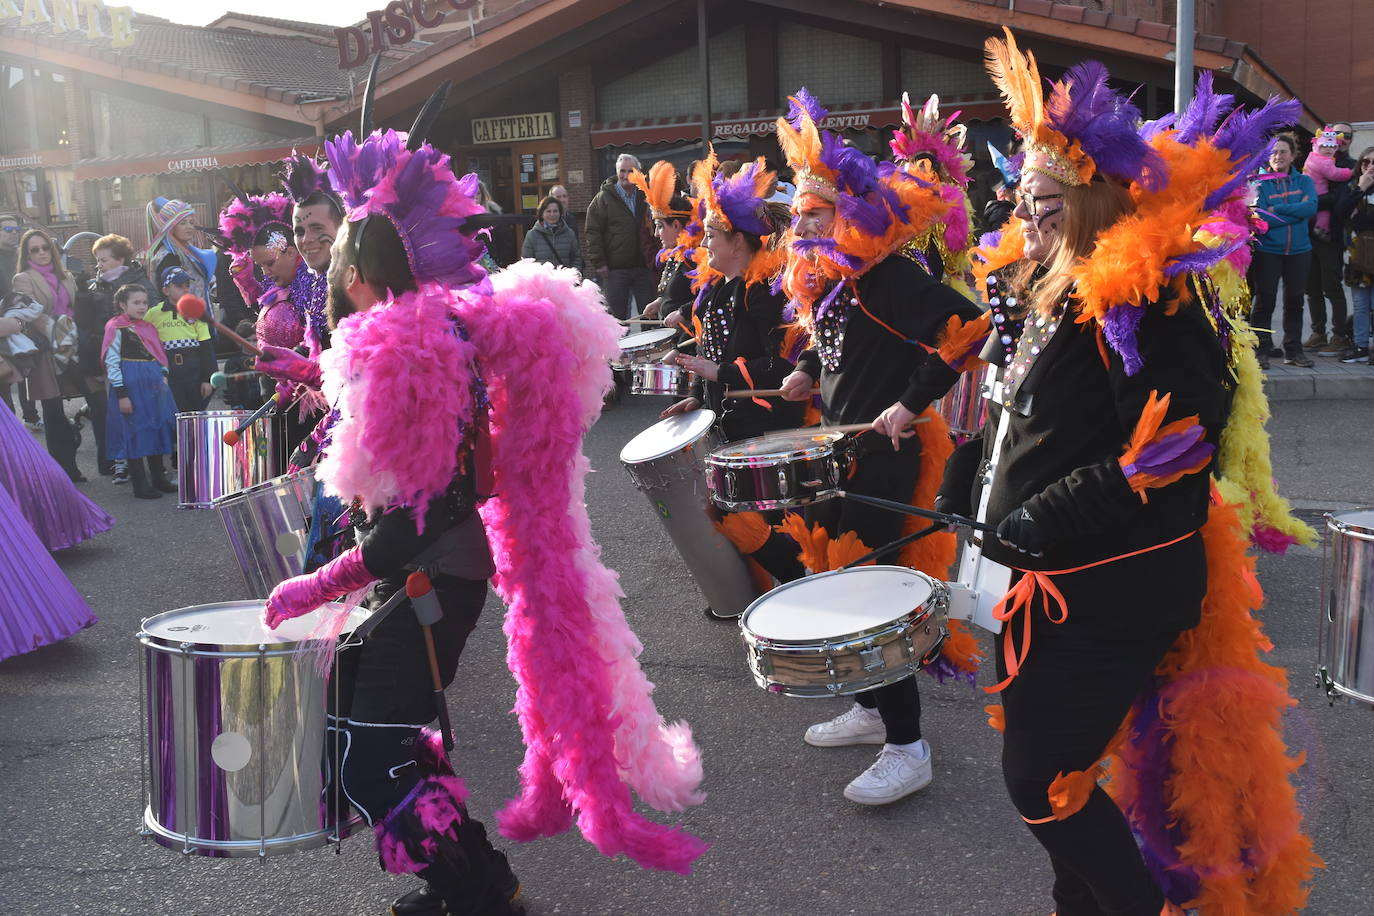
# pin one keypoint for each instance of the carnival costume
(451, 360)
(676, 263)
(304, 179)
(1129, 645)
(58, 512)
(877, 319)
(164, 251)
(929, 147)
(38, 605)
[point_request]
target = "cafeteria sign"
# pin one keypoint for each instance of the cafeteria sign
(540, 126)
(68, 16)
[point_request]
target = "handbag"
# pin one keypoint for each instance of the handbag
(1362, 251)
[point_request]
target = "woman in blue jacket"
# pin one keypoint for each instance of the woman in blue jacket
(1287, 202)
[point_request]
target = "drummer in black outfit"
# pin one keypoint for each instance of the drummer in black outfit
(742, 329)
(874, 364)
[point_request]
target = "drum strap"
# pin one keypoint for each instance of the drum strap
(749, 380)
(1022, 596)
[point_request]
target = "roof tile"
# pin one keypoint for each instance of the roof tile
(1067, 12)
(1156, 30)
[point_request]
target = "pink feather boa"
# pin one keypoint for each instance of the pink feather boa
(590, 726)
(403, 383)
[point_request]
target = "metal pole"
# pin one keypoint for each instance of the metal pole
(1185, 28)
(704, 65)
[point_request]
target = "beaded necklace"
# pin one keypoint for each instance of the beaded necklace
(716, 319)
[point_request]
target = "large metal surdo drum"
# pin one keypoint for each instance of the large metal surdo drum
(1345, 637)
(235, 729)
(207, 469)
(665, 463)
(269, 527)
(844, 631)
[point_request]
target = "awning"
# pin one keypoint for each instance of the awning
(762, 123)
(202, 160)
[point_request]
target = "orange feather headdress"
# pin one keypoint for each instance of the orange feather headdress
(659, 190)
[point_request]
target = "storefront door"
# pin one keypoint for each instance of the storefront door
(538, 166)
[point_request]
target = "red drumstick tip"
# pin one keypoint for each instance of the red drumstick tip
(231, 438)
(190, 307)
(417, 584)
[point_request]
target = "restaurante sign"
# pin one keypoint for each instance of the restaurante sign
(69, 16)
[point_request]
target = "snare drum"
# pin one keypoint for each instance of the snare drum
(268, 527)
(235, 729)
(661, 378)
(665, 463)
(965, 406)
(1345, 638)
(844, 631)
(776, 471)
(645, 347)
(207, 469)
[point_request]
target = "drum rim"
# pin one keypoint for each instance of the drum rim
(751, 637)
(222, 502)
(764, 459)
(1362, 532)
(658, 341)
(173, 644)
(214, 413)
(703, 411)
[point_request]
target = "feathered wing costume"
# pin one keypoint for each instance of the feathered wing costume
(1199, 766)
(408, 379)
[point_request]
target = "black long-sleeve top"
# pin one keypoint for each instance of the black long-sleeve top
(745, 323)
(1072, 418)
(878, 368)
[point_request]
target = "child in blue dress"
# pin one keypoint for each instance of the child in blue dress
(141, 421)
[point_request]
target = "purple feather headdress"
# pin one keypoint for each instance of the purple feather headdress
(418, 193)
(241, 221)
(741, 200)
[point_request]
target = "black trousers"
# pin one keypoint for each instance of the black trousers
(1268, 270)
(880, 472)
(185, 384)
(1324, 284)
(1078, 682)
(27, 409)
(58, 433)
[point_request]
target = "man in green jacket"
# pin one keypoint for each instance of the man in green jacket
(616, 220)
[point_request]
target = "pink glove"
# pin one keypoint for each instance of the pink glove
(241, 269)
(303, 594)
(289, 366)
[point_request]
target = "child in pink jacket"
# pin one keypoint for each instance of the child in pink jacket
(1322, 169)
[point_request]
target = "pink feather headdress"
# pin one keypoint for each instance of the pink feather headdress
(245, 217)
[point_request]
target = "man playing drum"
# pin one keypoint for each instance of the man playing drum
(875, 316)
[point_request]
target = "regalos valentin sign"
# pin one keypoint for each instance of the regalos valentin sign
(74, 16)
(394, 25)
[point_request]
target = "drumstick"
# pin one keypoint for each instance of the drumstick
(895, 545)
(943, 517)
(641, 320)
(231, 438)
(192, 308)
(848, 428)
(425, 603)
(760, 393)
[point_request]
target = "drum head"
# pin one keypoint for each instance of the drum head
(304, 478)
(836, 604)
(667, 436)
(236, 626)
(779, 444)
(647, 338)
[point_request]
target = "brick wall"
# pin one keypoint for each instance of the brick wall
(83, 191)
(1321, 47)
(577, 93)
(670, 86)
(924, 73)
(835, 68)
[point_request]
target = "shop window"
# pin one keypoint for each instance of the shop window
(61, 193)
(943, 75)
(836, 68)
(50, 97)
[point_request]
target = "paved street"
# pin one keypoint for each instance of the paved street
(785, 840)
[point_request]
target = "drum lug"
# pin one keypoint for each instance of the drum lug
(730, 484)
(871, 658)
(934, 652)
(784, 483)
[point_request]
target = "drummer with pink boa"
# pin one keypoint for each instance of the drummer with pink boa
(430, 417)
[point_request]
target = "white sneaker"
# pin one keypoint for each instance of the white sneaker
(855, 725)
(895, 774)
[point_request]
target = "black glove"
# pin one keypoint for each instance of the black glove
(1024, 533)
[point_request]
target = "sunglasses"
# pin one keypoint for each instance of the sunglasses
(14, 229)
(1367, 162)
(37, 249)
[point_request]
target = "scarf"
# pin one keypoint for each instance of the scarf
(114, 273)
(145, 331)
(61, 299)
